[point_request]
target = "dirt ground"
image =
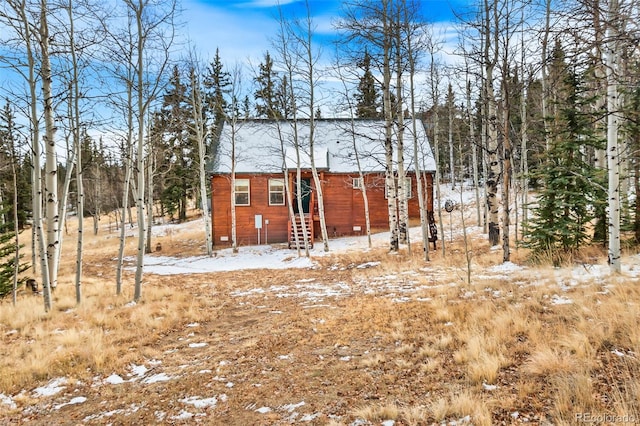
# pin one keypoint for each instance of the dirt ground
(360, 338)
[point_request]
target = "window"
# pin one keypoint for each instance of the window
(276, 192)
(242, 192)
(357, 183)
(407, 188)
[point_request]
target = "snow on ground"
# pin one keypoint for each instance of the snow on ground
(51, 388)
(7, 401)
(249, 257)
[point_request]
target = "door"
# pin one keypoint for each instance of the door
(305, 187)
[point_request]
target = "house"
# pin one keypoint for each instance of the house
(266, 164)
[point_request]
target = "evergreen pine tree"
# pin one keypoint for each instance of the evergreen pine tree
(572, 189)
(217, 85)
(8, 240)
(367, 96)
(284, 101)
(8, 262)
(172, 130)
(266, 95)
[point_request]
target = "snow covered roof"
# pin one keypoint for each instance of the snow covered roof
(260, 144)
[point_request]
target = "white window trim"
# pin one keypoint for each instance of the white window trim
(248, 191)
(281, 183)
(356, 183)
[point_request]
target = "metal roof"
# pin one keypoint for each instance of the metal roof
(266, 146)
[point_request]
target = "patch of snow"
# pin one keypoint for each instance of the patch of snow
(388, 423)
(138, 370)
(291, 407)
(51, 388)
(114, 379)
(309, 417)
(466, 420)
(560, 300)
(200, 402)
(515, 415)
(489, 387)
(229, 385)
(8, 401)
(76, 400)
(618, 353)
(264, 410)
(161, 377)
(204, 371)
(198, 345)
(183, 415)
(103, 415)
(345, 358)
(250, 257)
(10, 332)
(193, 324)
(130, 304)
(284, 357)
(506, 267)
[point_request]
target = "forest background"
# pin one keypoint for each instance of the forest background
(110, 106)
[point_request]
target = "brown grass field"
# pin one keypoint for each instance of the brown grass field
(402, 342)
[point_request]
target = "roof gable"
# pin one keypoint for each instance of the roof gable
(267, 146)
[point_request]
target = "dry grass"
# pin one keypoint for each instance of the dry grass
(452, 351)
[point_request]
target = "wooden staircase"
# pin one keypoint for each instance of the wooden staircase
(301, 237)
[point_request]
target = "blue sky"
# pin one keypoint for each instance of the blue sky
(243, 29)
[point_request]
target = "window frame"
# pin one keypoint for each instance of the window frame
(282, 192)
(239, 182)
(356, 182)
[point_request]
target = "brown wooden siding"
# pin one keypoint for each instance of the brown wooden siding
(344, 207)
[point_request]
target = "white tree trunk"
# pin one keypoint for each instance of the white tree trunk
(613, 150)
(452, 165)
(474, 155)
(200, 132)
(75, 121)
(150, 172)
(544, 81)
(125, 196)
(140, 166)
(311, 77)
(435, 95)
(234, 231)
(424, 226)
(390, 181)
(492, 131)
(51, 161)
(38, 240)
